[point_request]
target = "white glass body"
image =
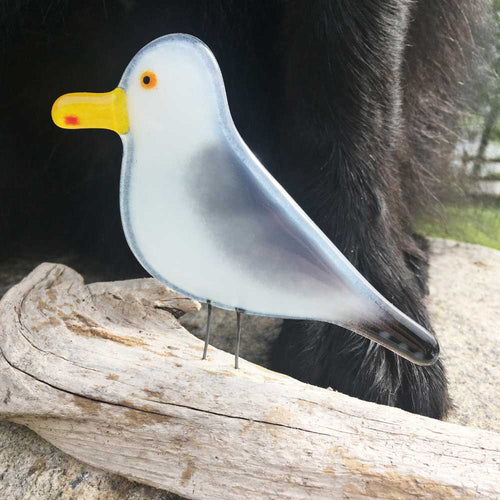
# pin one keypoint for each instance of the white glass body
(203, 216)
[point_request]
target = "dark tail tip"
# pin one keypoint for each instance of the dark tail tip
(410, 340)
(405, 337)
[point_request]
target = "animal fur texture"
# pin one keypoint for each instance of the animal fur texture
(352, 105)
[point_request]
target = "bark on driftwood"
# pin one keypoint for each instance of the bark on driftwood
(106, 374)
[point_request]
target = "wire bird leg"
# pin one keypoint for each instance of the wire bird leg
(207, 334)
(238, 338)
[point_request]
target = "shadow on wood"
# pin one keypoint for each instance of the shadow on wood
(106, 373)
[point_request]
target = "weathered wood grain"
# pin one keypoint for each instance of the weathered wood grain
(105, 373)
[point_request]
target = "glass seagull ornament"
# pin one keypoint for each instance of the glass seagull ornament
(203, 216)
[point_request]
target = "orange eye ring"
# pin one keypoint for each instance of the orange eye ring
(148, 80)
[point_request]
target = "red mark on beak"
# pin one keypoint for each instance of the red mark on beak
(71, 120)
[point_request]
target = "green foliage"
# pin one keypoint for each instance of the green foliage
(493, 176)
(477, 221)
(483, 125)
(492, 91)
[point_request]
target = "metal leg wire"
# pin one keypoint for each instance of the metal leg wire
(238, 339)
(207, 334)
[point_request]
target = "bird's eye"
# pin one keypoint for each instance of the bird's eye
(148, 80)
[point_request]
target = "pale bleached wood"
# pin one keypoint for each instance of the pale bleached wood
(106, 374)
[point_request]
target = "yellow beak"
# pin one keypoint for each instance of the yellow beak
(87, 110)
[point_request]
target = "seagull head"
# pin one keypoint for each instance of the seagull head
(171, 87)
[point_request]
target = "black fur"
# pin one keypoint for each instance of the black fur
(351, 104)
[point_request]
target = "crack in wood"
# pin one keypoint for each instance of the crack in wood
(176, 405)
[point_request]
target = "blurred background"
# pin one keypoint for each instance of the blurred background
(471, 210)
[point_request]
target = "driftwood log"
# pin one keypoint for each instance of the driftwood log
(107, 374)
